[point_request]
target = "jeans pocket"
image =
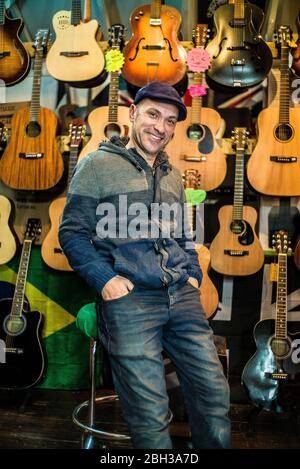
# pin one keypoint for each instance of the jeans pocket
(113, 300)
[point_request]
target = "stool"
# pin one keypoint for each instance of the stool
(86, 321)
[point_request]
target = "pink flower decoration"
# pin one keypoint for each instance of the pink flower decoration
(198, 60)
(197, 90)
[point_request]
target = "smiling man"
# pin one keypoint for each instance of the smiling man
(147, 286)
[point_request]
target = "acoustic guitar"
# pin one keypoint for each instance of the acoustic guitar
(275, 361)
(31, 160)
(236, 249)
(208, 293)
(112, 120)
(154, 51)
(7, 240)
(20, 329)
(240, 58)
(274, 166)
(14, 58)
(194, 143)
(52, 252)
(75, 55)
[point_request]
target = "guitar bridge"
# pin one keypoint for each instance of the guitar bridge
(278, 375)
(284, 159)
(16, 351)
(238, 62)
(154, 47)
(74, 54)
(194, 159)
(236, 253)
(31, 156)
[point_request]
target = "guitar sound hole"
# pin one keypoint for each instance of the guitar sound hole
(112, 130)
(284, 132)
(195, 132)
(33, 129)
(280, 347)
(14, 325)
(237, 227)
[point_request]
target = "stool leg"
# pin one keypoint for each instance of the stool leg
(88, 440)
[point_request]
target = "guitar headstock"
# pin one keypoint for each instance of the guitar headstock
(116, 36)
(41, 40)
(284, 35)
(33, 229)
(200, 35)
(281, 242)
(240, 138)
(76, 133)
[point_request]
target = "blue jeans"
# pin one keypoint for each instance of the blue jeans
(135, 329)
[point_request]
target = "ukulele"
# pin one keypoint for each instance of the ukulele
(273, 362)
(52, 252)
(31, 160)
(112, 120)
(236, 249)
(194, 143)
(240, 58)
(20, 328)
(14, 58)
(296, 51)
(208, 293)
(75, 55)
(154, 51)
(7, 240)
(274, 166)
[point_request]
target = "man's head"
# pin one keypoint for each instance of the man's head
(156, 109)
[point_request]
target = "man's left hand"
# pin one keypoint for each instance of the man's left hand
(193, 281)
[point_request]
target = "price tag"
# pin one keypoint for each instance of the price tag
(198, 60)
(114, 60)
(195, 196)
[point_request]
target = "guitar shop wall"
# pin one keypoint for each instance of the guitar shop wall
(245, 296)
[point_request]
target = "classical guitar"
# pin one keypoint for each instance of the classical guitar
(31, 160)
(194, 143)
(208, 292)
(236, 249)
(14, 58)
(274, 166)
(275, 360)
(240, 58)
(296, 51)
(7, 240)
(20, 328)
(108, 121)
(154, 51)
(52, 252)
(75, 55)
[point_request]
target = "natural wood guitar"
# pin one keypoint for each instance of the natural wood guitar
(236, 249)
(14, 58)
(75, 55)
(7, 239)
(274, 166)
(194, 143)
(52, 252)
(154, 51)
(108, 121)
(31, 160)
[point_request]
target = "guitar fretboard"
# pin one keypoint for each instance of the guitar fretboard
(76, 12)
(36, 86)
(284, 102)
(2, 12)
(239, 10)
(72, 162)
(113, 97)
(155, 9)
(238, 185)
(197, 100)
(281, 298)
(18, 299)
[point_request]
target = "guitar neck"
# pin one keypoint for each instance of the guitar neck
(197, 100)
(113, 97)
(36, 86)
(238, 185)
(2, 12)
(76, 12)
(74, 153)
(155, 10)
(284, 102)
(239, 10)
(281, 298)
(18, 299)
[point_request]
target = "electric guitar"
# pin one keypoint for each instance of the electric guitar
(14, 58)
(7, 240)
(154, 51)
(240, 58)
(31, 160)
(194, 143)
(108, 121)
(52, 252)
(208, 293)
(75, 55)
(274, 165)
(236, 249)
(274, 361)
(22, 359)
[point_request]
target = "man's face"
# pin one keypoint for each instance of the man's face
(153, 125)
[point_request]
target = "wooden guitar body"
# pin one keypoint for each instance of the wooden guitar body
(24, 358)
(297, 254)
(236, 254)
(14, 58)
(271, 177)
(240, 58)
(32, 162)
(75, 54)
(102, 128)
(51, 250)
(202, 154)
(7, 240)
(208, 293)
(154, 52)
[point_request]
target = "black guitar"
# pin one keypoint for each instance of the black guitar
(21, 354)
(240, 58)
(277, 359)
